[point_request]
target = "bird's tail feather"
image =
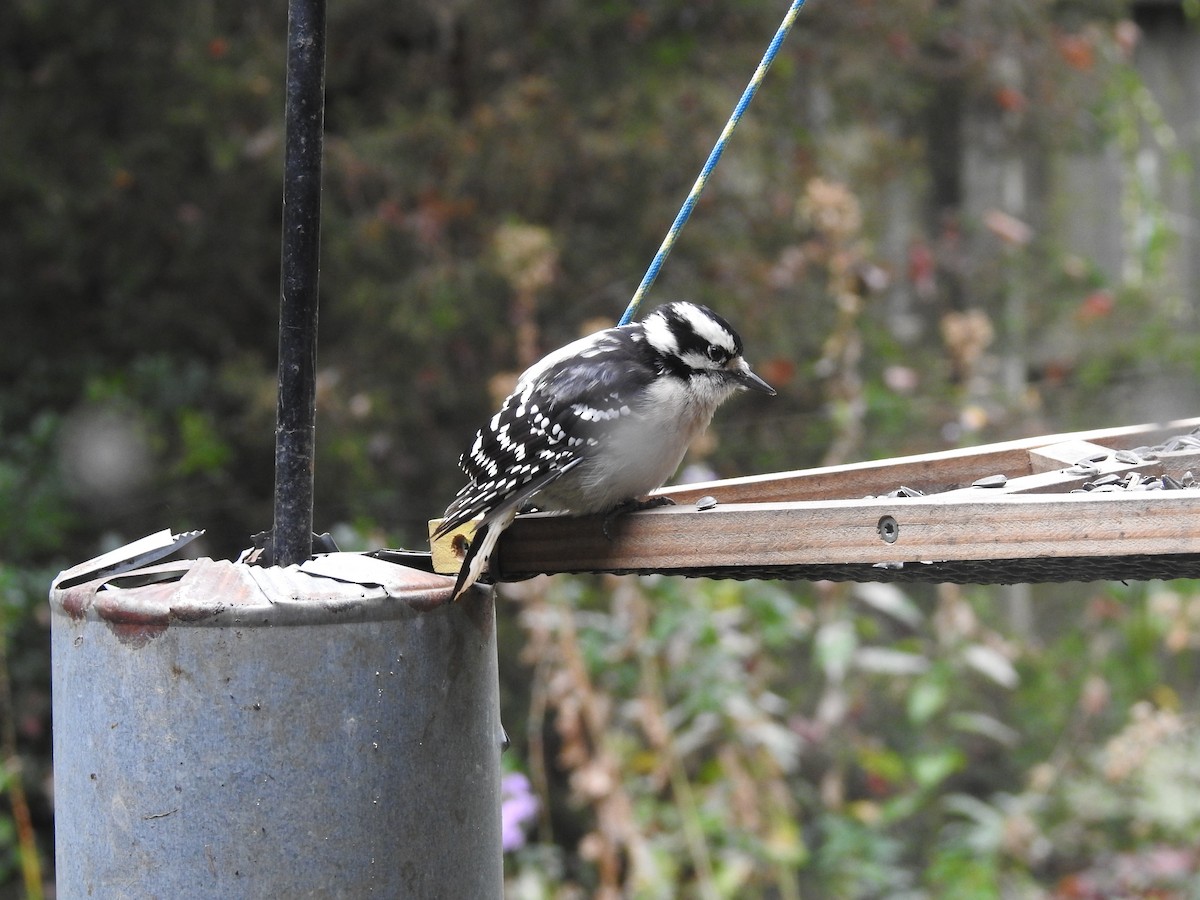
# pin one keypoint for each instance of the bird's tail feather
(477, 556)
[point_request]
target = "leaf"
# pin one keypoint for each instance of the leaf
(930, 769)
(204, 450)
(992, 664)
(891, 601)
(784, 842)
(885, 763)
(927, 697)
(835, 646)
(978, 811)
(986, 726)
(890, 662)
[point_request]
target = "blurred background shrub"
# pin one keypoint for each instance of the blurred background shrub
(943, 222)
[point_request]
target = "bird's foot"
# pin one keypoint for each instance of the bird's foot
(633, 505)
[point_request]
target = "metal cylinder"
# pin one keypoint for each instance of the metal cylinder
(228, 731)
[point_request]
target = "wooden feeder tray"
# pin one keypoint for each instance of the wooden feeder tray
(1113, 504)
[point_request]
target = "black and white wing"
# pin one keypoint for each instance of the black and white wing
(551, 422)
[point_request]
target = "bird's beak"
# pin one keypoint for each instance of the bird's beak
(744, 375)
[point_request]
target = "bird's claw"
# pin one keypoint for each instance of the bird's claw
(628, 506)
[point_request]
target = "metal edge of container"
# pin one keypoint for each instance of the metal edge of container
(339, 587)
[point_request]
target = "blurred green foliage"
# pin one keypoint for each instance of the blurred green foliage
(497, 177)
(720, 739)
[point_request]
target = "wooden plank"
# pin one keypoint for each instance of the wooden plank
(1054, 457)
(1060, 469)
(451, 548)
(927, 472)
(967, 527)
(1179, 463)
(1031, 466)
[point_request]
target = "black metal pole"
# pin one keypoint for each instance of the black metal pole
(295, 429)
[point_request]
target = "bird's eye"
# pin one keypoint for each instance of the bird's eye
(716, 354)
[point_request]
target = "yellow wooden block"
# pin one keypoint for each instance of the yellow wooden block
(450, 548)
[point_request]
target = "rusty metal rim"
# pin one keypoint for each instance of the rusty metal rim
(206, 592)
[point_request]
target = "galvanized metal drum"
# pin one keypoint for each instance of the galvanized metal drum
(224, 730)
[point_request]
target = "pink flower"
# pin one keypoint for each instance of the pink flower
(518, 806)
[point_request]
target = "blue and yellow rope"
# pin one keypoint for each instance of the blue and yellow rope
(713, 158)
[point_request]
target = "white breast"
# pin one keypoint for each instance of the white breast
(642, 451)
